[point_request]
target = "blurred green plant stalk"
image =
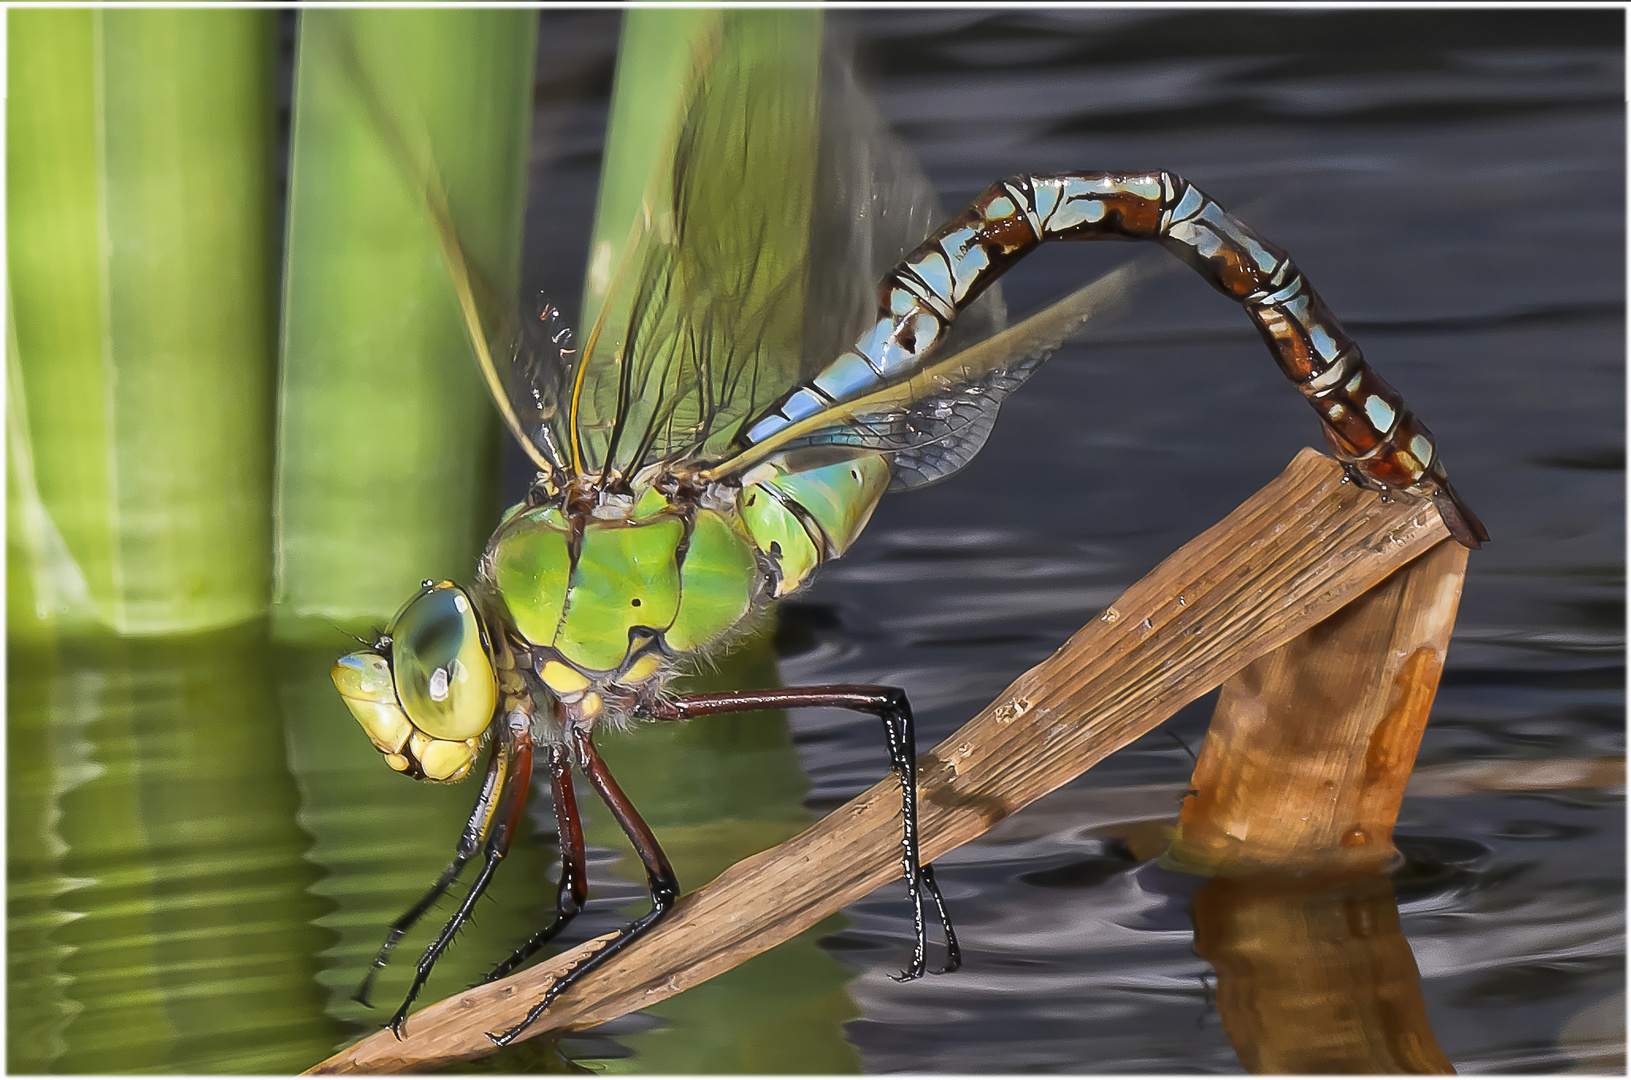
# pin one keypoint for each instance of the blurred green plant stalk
(142, 274)
(143, 339)
(387, 448)
(654, 54)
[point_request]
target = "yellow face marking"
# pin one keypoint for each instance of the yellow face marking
(385, 725)
(443, 760)
(641, 670)
(397, 762)
(563, 679)
(590, 706)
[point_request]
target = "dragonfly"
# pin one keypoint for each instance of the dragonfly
(775, 350)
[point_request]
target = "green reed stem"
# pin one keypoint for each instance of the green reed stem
(141, 266)
(387, 444)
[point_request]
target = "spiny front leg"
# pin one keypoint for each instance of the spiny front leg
(574, 889)
(471, 838)
(516, 749)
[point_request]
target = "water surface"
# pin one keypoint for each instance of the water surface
(203, 851)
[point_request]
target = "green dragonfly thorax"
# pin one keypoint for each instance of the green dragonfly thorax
(611, 589)
(606, 589)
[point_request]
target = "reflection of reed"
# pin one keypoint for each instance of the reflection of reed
(162, 917)
(1293, 799)
(1315, 978)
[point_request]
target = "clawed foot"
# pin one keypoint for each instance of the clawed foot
(366, 987)
(505, 1037)
(925, 883)
(1352, 475)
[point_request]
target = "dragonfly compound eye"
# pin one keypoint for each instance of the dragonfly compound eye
(425, 706)
(444, 679)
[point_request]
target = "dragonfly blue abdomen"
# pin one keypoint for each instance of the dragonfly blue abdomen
(1365, 420)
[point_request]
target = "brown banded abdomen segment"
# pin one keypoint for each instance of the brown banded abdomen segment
(978, 245)
(1096, 206)
(1365, 419)
(1360, 412)
(1404, 458)
(1302, 333)
(1234, 259)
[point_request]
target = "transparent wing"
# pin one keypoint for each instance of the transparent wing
(700, 321)
(754, 254)
(534, 356)
(873, 204)
(518, 376)
(936, 419)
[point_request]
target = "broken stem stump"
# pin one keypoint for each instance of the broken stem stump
(1285, 559)
(1293, 803)
(1310, 747)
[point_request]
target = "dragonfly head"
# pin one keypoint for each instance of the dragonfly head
(426, 691)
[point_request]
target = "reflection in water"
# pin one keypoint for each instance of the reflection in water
(1315, 978)
(161, 918)
(204, 855)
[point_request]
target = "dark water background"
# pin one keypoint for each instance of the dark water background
(204, 851)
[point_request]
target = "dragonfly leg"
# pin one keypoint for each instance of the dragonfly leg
(515, 747)
(889, 704)
(574, 889)
(471, 839)
(660, 880)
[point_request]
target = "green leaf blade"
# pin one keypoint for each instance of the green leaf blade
(387, 454)
(142, 265)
